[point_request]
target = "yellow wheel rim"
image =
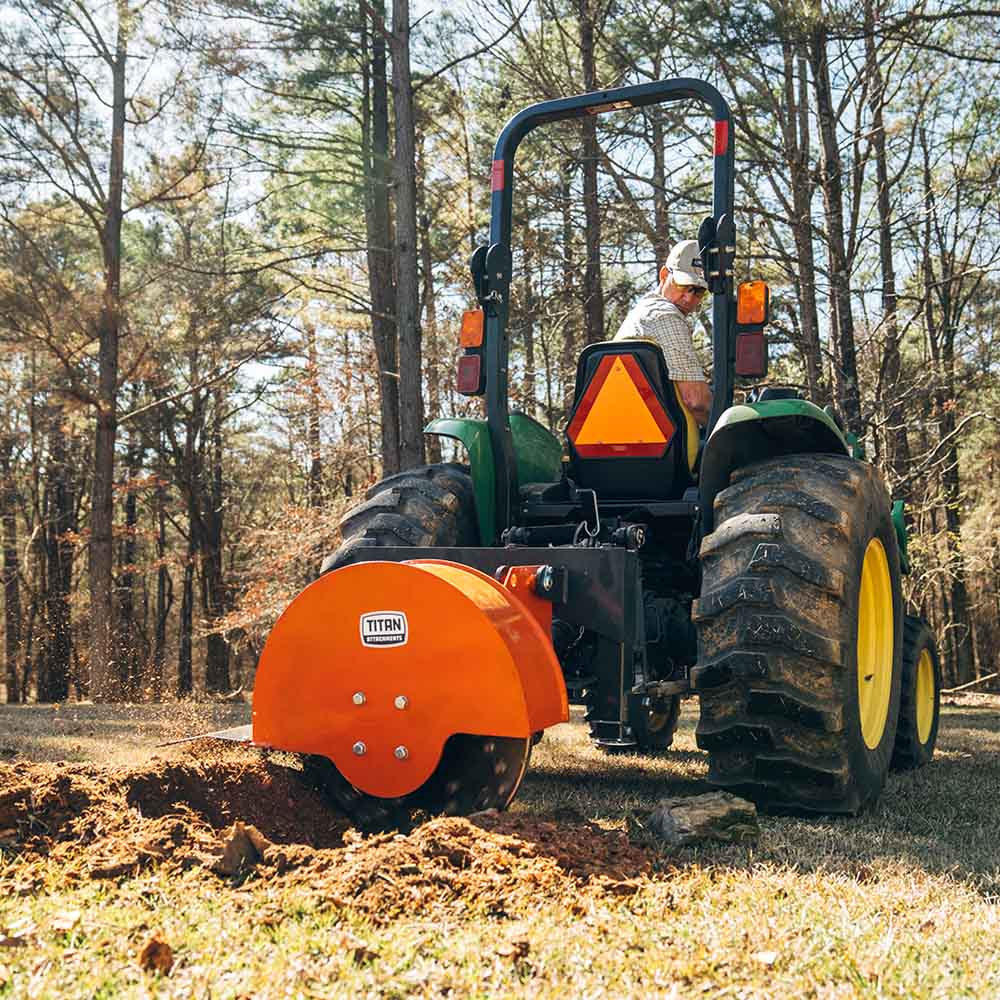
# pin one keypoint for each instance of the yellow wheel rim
(875, 635)
(925, 696)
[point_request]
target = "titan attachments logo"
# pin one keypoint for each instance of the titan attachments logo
(384, 628)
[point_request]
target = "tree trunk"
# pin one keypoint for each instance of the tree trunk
(103, 686)
(530, 320)
(661, 215)
(833, 199)
(796, 141)
(593, 293)
(897, 447)
(214, 599)
(382, 291)
(570, 303)
(56, 654)
(185, 661)
(11, 582)
(411, 400)
(190, 477)
(164, 590)
(429, 309)
(941, 338)
(313, 414)
(129, 658)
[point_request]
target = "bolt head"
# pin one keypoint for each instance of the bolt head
(359, 749)
(401, 701)
(359, 698)
(401, 753)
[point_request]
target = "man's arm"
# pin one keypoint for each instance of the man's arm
(697, 397)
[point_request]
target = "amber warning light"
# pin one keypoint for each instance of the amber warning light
(753, 310)
(753, 300)
(472, 328)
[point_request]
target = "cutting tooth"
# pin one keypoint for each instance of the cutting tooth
(500, 767)
(489, 746)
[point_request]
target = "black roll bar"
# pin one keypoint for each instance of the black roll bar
(492, 270)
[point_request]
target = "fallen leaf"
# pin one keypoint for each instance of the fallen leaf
(362, 955)
(66, 920)
(156, 956)
(765, 957)
(5, 975)
(22, 928)
(359, 951)
(516, 949)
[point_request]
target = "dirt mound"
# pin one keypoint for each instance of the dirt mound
(231, 813)
(104, 822)
(490, 863)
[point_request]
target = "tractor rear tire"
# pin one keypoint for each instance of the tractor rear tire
(424, 507)
(800, 627)
(920, 701)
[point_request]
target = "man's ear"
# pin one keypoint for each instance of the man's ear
(664, 271)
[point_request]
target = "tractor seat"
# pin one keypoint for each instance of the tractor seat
(630, 437)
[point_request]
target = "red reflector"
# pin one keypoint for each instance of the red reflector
(496, 179)
(469, 381)
(751, 355)
(721, 137)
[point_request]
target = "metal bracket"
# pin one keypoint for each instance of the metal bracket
(477, 265)
(497, 266)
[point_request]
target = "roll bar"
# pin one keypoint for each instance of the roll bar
(491, 266)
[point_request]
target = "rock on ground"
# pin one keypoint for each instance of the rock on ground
(712, 816)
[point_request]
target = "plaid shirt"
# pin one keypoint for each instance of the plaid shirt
(654, 318)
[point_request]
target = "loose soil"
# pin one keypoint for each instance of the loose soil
(239, 816)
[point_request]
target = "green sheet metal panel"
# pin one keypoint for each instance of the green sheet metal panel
(538, 453)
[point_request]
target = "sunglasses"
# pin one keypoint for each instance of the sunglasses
(698, 293)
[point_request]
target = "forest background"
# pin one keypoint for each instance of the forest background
(234, 240)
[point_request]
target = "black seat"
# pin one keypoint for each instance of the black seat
(641, 443)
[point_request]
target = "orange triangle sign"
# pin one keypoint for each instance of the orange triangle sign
(619, 414)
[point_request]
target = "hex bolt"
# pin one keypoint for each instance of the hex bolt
(360, 749)
(359, 698)
(401, 753)
(401, 701)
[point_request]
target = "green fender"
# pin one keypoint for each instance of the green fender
(537, 451)
(752, 432)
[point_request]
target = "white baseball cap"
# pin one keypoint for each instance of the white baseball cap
(685, 262)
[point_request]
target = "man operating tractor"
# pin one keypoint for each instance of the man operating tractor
(662, 317)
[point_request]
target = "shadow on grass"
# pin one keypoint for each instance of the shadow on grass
(942, 819)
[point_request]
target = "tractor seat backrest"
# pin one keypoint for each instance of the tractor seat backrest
(630, 437)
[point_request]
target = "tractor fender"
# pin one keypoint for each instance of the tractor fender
(537, 451)
(753, 432)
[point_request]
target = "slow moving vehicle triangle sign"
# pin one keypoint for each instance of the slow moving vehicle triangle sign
(620, 414)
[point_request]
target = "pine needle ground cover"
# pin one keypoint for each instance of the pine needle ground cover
(130, 871)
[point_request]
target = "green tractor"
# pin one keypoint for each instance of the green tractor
(756, 567)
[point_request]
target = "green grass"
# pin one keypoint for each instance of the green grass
(900, 902)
